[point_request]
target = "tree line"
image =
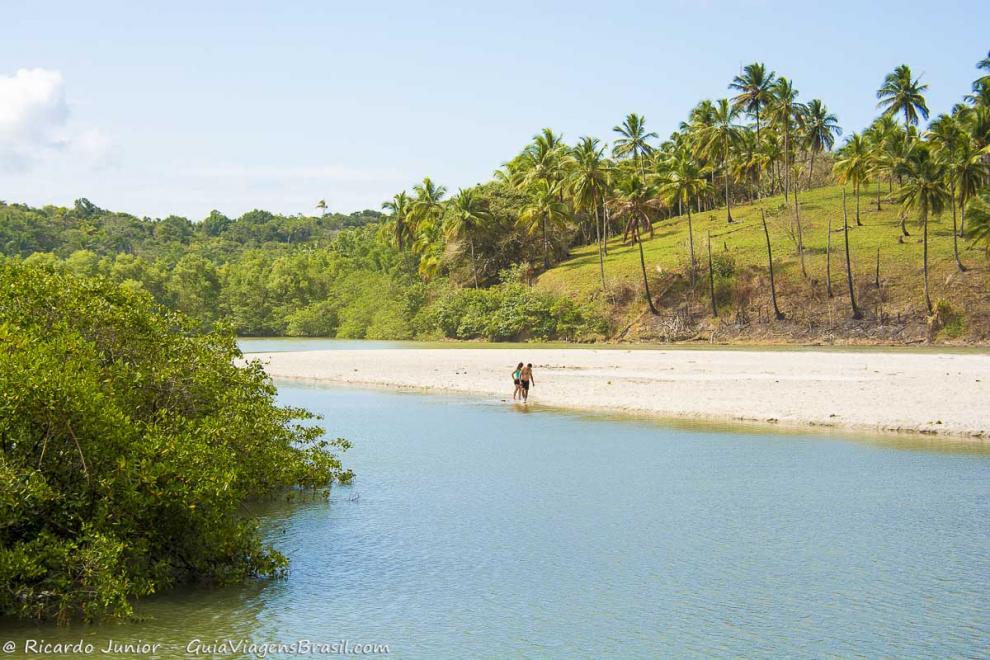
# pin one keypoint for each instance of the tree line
(760, 141)
(402, 272)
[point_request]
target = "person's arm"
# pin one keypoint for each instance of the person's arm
(532, 378)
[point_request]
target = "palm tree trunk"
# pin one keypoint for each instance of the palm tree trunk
(691, 245)
(904, 231)
(878, 193)
(642, 265)
(800, 236)
(811, 170)
(849, 273)
(601, 256)
(605, 225)
(711, 277)
(876, 278)
(725, 164)
(759, 172)
(955, 235)
(546, 246)
(828, 258)
(962, 216)
(858, 223)
(787, 168)
(474, 263)
(928, 298)
(773, 287)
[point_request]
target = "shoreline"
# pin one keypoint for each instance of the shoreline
(916, 394)
(778, 347)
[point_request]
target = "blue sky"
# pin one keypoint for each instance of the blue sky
(182, 107)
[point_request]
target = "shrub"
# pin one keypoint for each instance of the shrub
(316, 320)
(723, 265)
(512, 312)
(129, 441)
(948, 322)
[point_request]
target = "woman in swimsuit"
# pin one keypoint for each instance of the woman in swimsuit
(515, 381)
(525, 380)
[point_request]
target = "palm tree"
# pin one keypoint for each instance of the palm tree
(976, 121)
(541, 159)
(634, 142)
(771, 153)
(952, 148)
(470, 218)
(820, 130)
(717, 140)
(853, 165)
(750, 161)
(685, 182)
(924, 192)
(322, 207)
(773, 287)
(970, 173)
(427, 206)
(636, 198)
(754, 85)
(900, 93)
(711, 277)
(898, 158)
(881, 136)
(425, 213)
(981, 86)
(980, 221)
(785, 112)
(849, 273)
(544, 209)
(694, 131)
(400, 224)
(588, 183)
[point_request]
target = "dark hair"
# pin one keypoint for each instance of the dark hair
(530, 365)
(519, 366)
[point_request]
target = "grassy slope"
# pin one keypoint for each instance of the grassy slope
(900, 263)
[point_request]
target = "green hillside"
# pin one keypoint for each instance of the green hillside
(894, 311)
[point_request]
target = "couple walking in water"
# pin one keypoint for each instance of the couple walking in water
(522, 378)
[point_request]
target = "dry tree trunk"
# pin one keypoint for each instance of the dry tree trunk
(800, 238)
(711, 277)
(642, 264)
(849, 275)
(828, 258)
(773, 288)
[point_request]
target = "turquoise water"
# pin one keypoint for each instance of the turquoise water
(478, 529)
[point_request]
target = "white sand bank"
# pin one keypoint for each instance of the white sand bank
(945, 394)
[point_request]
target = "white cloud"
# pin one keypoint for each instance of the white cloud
(34, 122)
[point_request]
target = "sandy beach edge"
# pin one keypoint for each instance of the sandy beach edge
(925, 395)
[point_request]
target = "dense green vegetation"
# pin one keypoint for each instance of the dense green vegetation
(330, 280)
(129, 441)
(583, 222)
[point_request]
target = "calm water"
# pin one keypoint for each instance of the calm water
(476, 529)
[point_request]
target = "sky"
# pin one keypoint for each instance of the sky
(161, 108)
